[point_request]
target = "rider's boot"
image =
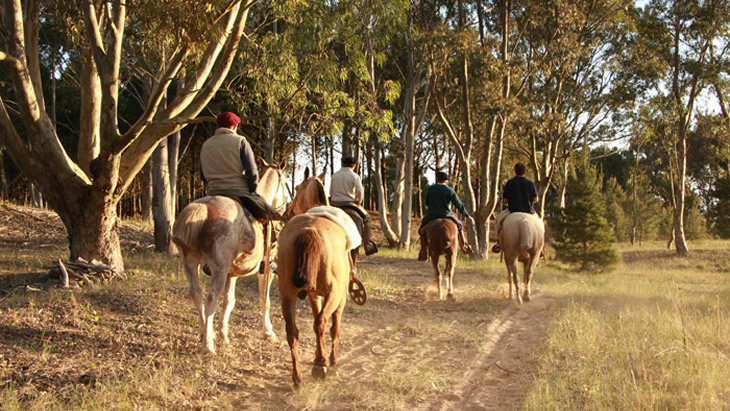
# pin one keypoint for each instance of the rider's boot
(465, 247)
(368, 243)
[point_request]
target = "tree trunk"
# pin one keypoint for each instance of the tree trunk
(161, 200)
(146, 191)
(173, 151)
(3, 178)
(680, 193)
(314, 156)
(381, 198)
(396, 208)
(89, 144)
(270, 140)
(92, 226)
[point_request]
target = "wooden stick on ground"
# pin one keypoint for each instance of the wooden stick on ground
(64, 273)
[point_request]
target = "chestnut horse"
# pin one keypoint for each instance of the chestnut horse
(443, 239)
(521, 238)
(311, 193)
(215, 230)
(313, 261)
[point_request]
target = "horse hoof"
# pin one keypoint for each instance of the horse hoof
(319, 372)
(272, 338)
(526, 298)
(451, 297)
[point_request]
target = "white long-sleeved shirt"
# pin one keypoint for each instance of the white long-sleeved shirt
(346, 186)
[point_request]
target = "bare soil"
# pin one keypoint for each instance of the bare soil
(403, 349)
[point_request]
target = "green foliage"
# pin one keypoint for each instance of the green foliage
(581, 233)
(695, 226)
(719, 215)
(615, 198)
(643, 208)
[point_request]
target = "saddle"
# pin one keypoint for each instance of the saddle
(355, 213)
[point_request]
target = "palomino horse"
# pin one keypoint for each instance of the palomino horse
(216, 230)
(521, 238)
(443, 239)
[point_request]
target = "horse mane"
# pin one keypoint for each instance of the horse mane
(320, 192)
(308, 246)
(188, 224)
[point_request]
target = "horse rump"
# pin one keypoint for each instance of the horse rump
(188, 224)
(308, 245)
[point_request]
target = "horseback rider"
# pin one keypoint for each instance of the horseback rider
(520, 194)
(346, 192)
(228, 165)
(439, 198)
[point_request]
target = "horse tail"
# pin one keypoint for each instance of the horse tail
(308, 246)
(188, 224)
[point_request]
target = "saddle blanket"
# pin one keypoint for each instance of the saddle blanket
(340, 218)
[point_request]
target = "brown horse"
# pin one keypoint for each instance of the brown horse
(443, 239)
(521, 238)
(313, 259)
(310, 193)
(215, 230)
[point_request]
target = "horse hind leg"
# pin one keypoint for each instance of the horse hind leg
(319, 368)
(335, 335)
(449, 274)
(289, 311)
(191, 272)
(217, 284)
(437, 275)
(265, 301)
(512, 278)
(229, 302)
(529, 272)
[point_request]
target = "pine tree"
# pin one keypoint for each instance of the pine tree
(614, 197)
(581, 233)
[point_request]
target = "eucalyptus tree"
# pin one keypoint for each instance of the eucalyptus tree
(679, 38)
(580, 88)
(86, 199)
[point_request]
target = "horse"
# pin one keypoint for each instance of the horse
(311, 193)
(217, 231)
(522, 238)
(443, 239)
(313, 261)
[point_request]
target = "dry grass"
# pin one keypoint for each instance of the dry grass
(649, 335)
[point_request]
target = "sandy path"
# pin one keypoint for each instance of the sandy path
(408, 334)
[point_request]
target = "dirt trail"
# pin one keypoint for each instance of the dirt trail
(483, 359)
(401, 350)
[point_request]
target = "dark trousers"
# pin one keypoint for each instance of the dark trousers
(364, 216)
(428, 218)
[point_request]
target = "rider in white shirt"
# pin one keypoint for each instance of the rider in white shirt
(346, 192)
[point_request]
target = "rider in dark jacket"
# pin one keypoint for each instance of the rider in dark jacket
(439, 198)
